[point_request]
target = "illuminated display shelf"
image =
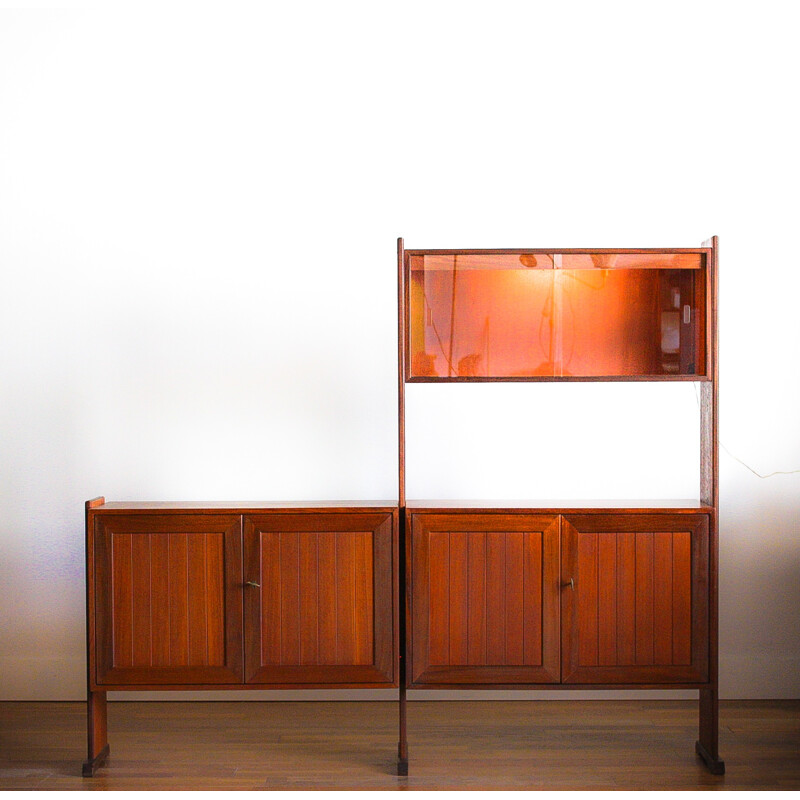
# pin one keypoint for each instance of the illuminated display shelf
(557, 315)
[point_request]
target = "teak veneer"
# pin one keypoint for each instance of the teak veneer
(447, 594)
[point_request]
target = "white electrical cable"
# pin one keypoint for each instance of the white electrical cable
(736, 458)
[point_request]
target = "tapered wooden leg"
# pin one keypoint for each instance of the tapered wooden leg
(98, 733)
(402, 747)
(707, 747)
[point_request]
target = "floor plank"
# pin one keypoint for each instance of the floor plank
(549, 744)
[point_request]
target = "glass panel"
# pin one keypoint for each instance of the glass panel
(552, 315)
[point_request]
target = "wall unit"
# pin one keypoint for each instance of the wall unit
(191, 596)
(444, 594)
(601, 594)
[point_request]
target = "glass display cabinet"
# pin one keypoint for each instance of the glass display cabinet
(602, 594)
(553, 315)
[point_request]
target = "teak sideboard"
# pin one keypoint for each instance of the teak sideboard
(445, 594)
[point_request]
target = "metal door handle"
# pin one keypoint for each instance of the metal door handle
(253, 584)
(570, 583)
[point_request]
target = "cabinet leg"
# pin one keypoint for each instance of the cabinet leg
(707, 747)
(98, 733)
(402, 747)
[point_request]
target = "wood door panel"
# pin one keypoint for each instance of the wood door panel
(484, 594)
(168, 599)
(639, 610)
(324, 609)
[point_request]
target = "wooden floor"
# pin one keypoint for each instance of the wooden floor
(453, 745)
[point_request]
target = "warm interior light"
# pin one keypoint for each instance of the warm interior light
(545, 314)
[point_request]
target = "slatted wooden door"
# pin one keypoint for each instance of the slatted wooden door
(168, 599)
(638, 612)
(484, 596)
(318, 605)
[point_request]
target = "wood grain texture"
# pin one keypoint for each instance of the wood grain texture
(645, 581)
(484, 599)
(168, 599)
(324, 609)
(639, 611)
(316, 598)
(168, 605)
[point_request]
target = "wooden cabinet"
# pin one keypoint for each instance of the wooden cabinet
(636, 606)
(485, 599)
(218, 597)
(277, 597)
(575, 598)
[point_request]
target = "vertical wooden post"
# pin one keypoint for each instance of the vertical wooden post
(97, 716)
(98, 733)
(402, 746)
(401, 376)
(707, 746)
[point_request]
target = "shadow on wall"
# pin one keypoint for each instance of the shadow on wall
(760, 592)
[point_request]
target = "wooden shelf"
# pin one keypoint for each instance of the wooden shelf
(555, 506)
(243, 507)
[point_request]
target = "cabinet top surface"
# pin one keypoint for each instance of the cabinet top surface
(245, 506)
(653, 506)
(388, 506)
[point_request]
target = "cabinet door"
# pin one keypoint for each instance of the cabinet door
(168, 599)
(638, 612)
(318, 605)
(484, 596)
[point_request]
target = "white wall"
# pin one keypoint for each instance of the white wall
(198, 214)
